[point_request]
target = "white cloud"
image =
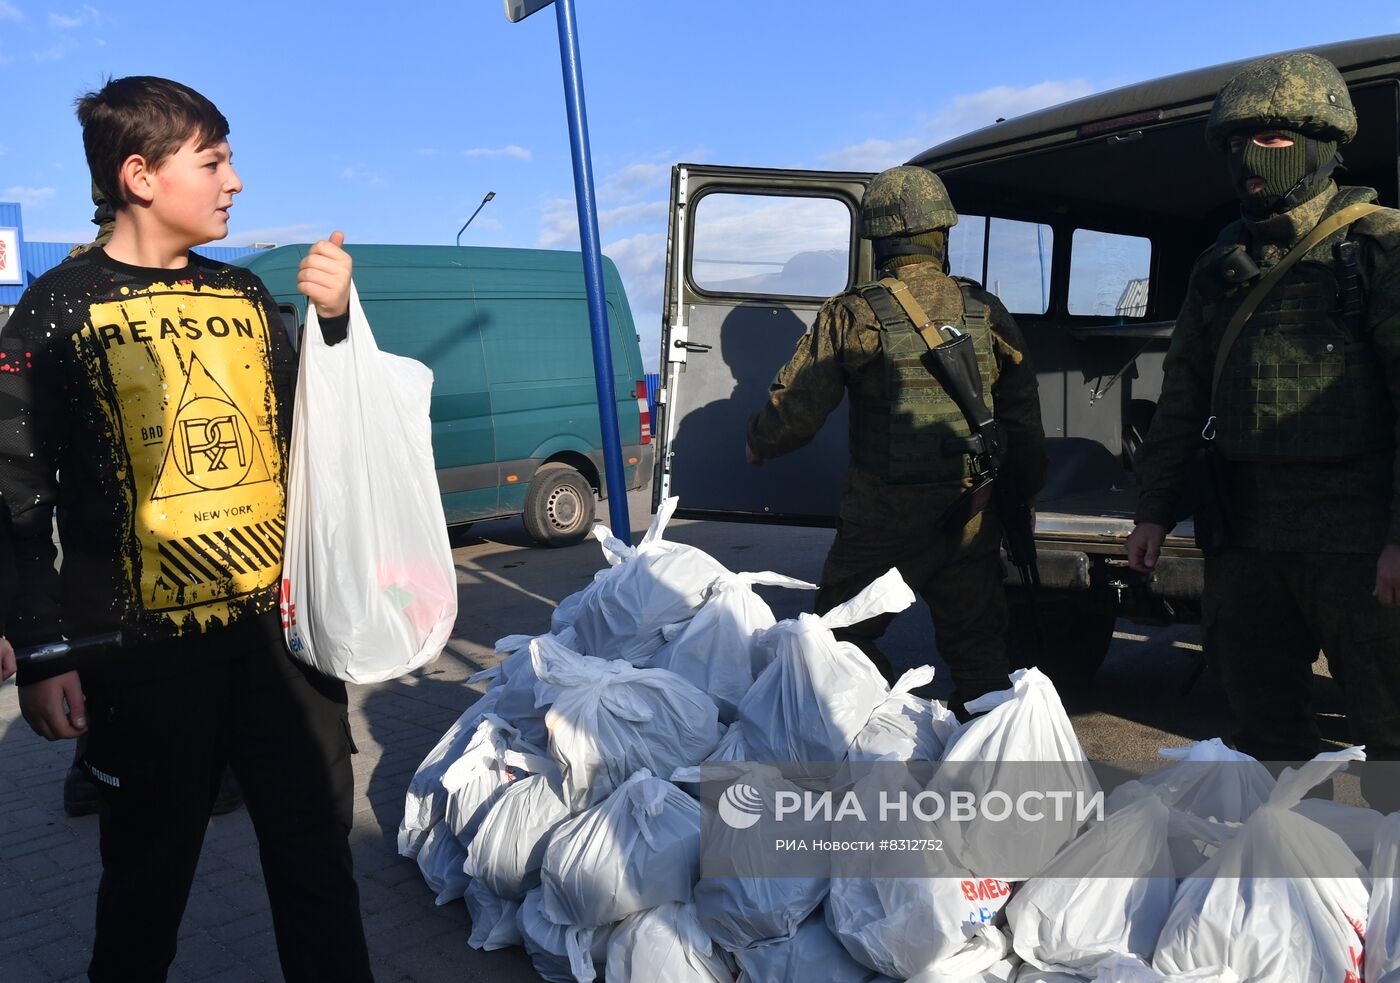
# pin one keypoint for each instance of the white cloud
(962, 114)
(978, 109)
(511, 150)
(641, 262)
(53, 52)
(875, 154)
(9, 12)
(426, 151)
(633, 180)
(644, 213)
(280, 234)
(27, 196)
(70, 22)
(559, 229)
(360, 174)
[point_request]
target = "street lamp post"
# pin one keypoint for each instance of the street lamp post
(489, 196)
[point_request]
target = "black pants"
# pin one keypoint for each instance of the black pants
(1264, 617)
(157, 749)
(959, 578)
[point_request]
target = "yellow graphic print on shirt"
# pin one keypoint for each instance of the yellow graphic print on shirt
(193, 409)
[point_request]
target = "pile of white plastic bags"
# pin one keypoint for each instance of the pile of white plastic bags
(561, 808)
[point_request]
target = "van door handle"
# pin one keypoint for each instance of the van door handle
(693, 346)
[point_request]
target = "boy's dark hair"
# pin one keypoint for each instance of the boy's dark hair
(145, 115)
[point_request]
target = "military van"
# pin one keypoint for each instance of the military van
(514, 407)
(1085, 219)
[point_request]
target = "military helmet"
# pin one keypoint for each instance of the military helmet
(1298, 91)
(904, 201)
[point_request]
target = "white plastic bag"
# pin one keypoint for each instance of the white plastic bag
(816, 695)
(812, 954)
(1239, 913)
(664, 943)
(493, 918)
(637, 849)
(514, 684)
(548, 944)
(1208, 780)
(508, 848)
(425, 803)
(715, 649)
(1355, 825)
(903, 926)
(1383, 918)
(368, 582)
(440, 859)
(493, 759)
(1083, 907)
(1024, 741)
(742, 912)
(656, 584)
(609, 719)
(906, 727)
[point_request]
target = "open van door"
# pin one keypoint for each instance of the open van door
(751, 256)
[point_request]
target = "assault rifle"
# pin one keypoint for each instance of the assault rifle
(954, 365)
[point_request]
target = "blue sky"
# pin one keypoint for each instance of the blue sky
(391, 121)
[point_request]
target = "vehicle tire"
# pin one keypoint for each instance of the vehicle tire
(559, 506)
(1076, 629)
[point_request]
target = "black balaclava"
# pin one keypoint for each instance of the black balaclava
(1292, 175)
(897, 251)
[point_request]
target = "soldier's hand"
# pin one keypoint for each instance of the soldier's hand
(54, 707)
(324, 276)
(1388, 576)
(750, 456)
(1144, 546)
(7, 660)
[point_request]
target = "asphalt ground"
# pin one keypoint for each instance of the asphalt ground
(1149, 694)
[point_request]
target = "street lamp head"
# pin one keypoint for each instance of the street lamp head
(489, 196)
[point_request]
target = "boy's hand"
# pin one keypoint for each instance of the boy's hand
(54, 707)
(7, 660)
(324, 276)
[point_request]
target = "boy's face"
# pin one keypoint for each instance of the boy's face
(194, 190)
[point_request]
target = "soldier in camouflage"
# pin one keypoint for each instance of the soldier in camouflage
(104, 216)
(1304, 423)
(900, 480)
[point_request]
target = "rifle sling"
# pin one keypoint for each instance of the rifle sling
(915, 310)
(1255, 297)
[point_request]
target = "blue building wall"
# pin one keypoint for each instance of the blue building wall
(37, 258)
(10, 217)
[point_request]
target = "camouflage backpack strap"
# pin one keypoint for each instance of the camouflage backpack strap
(976, 314)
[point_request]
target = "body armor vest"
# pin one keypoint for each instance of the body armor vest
(898, 436)
(1302, 381)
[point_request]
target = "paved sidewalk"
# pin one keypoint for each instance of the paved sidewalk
(49, 863)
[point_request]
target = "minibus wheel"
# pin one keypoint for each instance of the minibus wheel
(559, 506)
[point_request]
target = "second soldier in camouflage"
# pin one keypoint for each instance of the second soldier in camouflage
(900, 480)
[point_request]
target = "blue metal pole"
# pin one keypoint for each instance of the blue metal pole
(593, 268)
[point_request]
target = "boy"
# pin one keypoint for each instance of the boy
(145, 393)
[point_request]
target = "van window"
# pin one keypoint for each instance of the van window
(1108, 274)
(1012, 261)
(770, 244)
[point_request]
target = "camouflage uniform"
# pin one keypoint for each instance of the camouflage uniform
(1306, 527)
(104, 217)
(884, 524)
